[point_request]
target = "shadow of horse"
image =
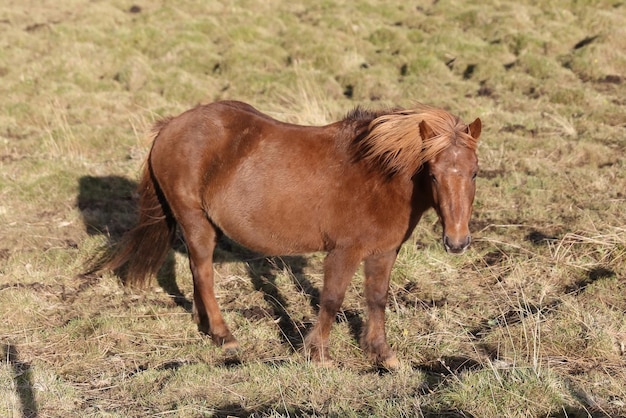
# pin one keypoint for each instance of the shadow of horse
(108, 207)
(22, 379)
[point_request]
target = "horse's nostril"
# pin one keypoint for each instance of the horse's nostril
(458, 246)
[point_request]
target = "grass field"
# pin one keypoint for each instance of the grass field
(530, 322)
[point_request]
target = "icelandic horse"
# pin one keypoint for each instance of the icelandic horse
(354, 189)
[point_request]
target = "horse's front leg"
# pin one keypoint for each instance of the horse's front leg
(339, 267)
(373, 341)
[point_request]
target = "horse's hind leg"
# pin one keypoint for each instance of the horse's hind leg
(373, 341)
(201, 238)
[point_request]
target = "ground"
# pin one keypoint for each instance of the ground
(529, 322)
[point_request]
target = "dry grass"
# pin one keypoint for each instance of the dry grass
(530, 322)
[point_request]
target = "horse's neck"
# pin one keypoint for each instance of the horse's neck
(422, 191)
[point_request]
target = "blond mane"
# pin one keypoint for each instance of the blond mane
(394, 144)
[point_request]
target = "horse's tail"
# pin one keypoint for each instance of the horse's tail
(143, 249)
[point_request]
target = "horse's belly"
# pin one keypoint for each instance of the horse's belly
(271, 230)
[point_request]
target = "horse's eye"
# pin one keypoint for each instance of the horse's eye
(474, 175)
(433, 178)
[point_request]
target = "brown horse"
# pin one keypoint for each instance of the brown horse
(354, 189)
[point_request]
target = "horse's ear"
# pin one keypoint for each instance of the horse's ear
(474, 128)
(425, 131)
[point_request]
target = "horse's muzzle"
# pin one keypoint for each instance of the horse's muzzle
(456, 246)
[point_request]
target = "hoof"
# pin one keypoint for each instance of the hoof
(231, 347)
(328, 364)
(381, 355)
(391, 363)
(325, 363)
(319, 357)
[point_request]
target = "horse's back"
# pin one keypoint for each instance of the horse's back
(226, 129)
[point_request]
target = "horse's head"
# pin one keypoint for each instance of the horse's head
(451, 176)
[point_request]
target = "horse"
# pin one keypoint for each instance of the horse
(354, 189)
